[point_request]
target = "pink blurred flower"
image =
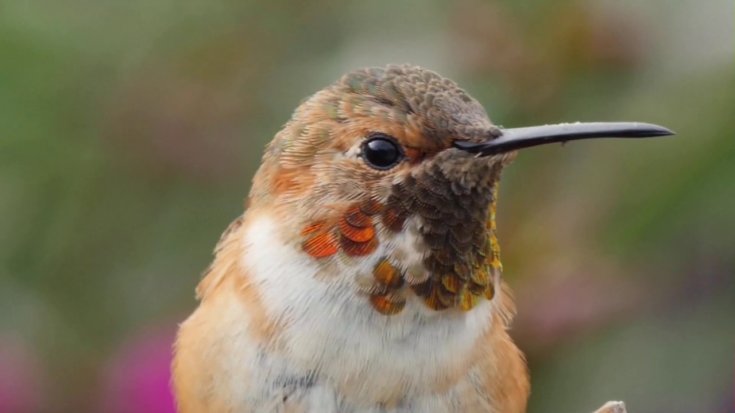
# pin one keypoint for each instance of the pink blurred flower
(138, 378)
(20, 379)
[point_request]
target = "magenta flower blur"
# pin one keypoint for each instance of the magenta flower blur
(20, 379)
(138, 377)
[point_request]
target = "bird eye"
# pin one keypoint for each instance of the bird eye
(382, 151)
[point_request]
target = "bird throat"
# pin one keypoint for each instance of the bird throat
(457, 225)
(458, 236)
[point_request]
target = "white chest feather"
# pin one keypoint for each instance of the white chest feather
(330, 331)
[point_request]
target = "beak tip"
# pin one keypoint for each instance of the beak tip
(658, 130)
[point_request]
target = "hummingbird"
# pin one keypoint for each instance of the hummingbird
(364, 274)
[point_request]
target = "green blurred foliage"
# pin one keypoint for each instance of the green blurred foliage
(129, 132)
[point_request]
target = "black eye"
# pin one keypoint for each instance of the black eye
(382, 151)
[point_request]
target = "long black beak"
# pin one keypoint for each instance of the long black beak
(518, 138)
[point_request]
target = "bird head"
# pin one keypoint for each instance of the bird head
(389, 177)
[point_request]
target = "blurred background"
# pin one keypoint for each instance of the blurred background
(130, 131)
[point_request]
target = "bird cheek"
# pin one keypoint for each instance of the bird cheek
(353, 233)
(319, 242)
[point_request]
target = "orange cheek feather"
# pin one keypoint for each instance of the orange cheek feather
(356, 217)
(319, 243)
(356, 233)
(358, 248)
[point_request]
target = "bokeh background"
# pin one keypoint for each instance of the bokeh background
(130, 130)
